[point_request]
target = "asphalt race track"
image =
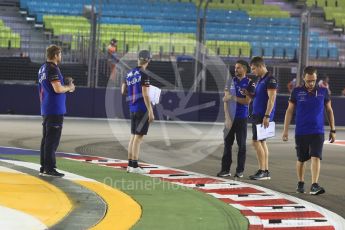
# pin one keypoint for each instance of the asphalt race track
(190, 146)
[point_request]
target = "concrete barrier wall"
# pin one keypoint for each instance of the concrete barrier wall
(102, 103)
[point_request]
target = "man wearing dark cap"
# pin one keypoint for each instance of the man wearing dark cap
(236, 112)
(137, 83)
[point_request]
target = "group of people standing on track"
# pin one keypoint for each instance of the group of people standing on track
(309, 100)
(239, 92)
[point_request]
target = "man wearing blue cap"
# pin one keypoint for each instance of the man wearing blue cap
(137, 83)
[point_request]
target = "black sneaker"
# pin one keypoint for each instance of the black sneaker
(223, 174)
(261, 175)
(53, 173)
(300, 187)
(316, 189)
(41, 171)
(268, 175)
(239, 174)
(255, 175)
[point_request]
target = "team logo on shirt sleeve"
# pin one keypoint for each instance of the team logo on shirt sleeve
(147, 82)
(273, 81)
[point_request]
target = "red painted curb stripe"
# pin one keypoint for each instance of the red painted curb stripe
(166, 171)
(258, 202)
(229, 191)
(256, 227)
(123, 165)
(204, 180)
(288, 215)
(247, 213)
(302, 228)
(86, 158)
(340, 142)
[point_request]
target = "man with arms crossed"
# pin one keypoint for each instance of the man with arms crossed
(263, 113)
(141, 112)
(310, 102)
(236, 118)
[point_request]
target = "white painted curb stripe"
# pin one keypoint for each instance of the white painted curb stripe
(13, 219)
(245, 198)
(34, 166)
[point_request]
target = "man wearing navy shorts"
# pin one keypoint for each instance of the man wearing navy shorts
(263, 112)
(236, 114)
(52, 93)
(310, 101)
(137, 83)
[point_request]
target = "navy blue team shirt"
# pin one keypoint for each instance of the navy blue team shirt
(261, 96)
(309, 109)
(51, 103)
(135, 79)
(235, 86)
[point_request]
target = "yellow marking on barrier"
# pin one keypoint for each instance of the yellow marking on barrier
(122, 211)
(34, 197)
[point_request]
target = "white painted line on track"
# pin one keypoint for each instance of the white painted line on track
(13, 219)
(34, 166)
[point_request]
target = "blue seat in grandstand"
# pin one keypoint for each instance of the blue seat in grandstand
(290, 52)
(333, 53)
(313, 52)
(268, 52)
(257, 51)
(322, 52)
(278, 51)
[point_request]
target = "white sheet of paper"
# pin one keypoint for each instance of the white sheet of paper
(263, 133)
(154, 93)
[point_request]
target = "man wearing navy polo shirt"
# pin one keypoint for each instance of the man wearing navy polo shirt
(236, 118)
(263, 113)
(137, 83)
(52, 95)
(310, 102)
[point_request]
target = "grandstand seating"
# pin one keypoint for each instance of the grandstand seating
(8, 39)
(334, 10)
(336, 14)
(234, 27)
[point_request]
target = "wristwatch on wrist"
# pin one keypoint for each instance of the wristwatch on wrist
(333, 131)
(267, 116)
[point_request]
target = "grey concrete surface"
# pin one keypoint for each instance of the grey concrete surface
(88, 209)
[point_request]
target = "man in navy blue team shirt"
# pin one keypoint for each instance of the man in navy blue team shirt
(263, 113)
(310, 102)
(236, 118)
(137, 84)
(52, 96)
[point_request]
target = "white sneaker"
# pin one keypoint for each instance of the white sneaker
(129, 169)
(139, 170)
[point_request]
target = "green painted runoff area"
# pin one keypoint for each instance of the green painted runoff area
(165, 205)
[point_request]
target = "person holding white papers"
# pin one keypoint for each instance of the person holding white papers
(141, 112)
(236, 114)
(263, 112)
(310, 102)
